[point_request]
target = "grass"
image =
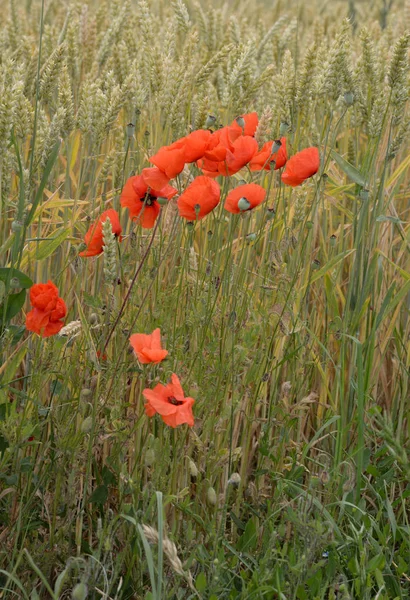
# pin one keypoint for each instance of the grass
(288, 324)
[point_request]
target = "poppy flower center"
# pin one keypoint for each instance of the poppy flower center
(172, 400)
(148, 199)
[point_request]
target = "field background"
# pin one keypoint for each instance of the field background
(290, 326)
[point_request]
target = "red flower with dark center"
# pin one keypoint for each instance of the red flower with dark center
(48, 310)
(244, 197)
(199, 199)
(264, 159)
(94, 236)
(169, 402)
(147, 348)
(141, 200)
(301, 166)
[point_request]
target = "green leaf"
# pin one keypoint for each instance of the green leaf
(47, 247)
(200, 582)
(12, 305)
(248, 540)
(43, 183)
(7, 274)
(349, 170)
(99, 495)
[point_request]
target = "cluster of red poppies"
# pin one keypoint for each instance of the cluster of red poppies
(167, 400)
(48, 310)
(223, 152)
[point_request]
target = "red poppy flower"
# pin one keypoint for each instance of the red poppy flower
(170, 159)
(169, 402)
(195, 144)
(264, 158)
(154, 178)
(301, 166)
(148, 348)
(141, 200)
(199, 199)
(48, 310)
(244, 149)
(94, 236)
(251, 123)
(244, 197)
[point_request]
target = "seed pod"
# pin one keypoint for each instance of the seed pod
(244, 204)
(234, 480)
(85, 394)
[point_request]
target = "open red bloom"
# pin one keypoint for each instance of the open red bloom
(148, 348)
(244, 197)
(195, 144)
(251, 123)
(264, 158)
(94, 236)
(199, 199)
(169, 402)
(170, 159)
(48, 310)
(141, 200)
(301, 166)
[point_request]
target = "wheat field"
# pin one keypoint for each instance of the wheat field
(257, 445)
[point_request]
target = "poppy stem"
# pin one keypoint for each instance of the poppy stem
(134, 279)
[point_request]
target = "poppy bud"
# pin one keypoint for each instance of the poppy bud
(210, 121)
(193, 469)
(251, 237)
(234, 480)
(162, 201)
(333, 240)
(276, 146)
(349, 98)
(87, 424)
(85, 394)
(315, 264)
(270, 214)
(93, 319)
(197, 209)
(80, 592)
(240, 121)
(130, 130)
(244, 204)
(309, 225)
(82, 247)
(149, 457)
(16, 226)
(190, 225)
(283, 128)
(211, 496)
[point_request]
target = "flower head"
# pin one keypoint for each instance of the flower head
(170, 159)
(199, 199)
(244, 197)
(48, 310)
(169, 402)
(301, 166)
(141, 200)
(267, 160)
(94, 236)
(148, 348)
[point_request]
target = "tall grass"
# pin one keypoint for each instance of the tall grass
(289, 325)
